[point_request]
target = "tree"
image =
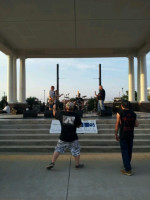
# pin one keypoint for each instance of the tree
(92, 103)
(73, 99)
(148, 98)
(3, 101)
(125, 96)
(32, 101)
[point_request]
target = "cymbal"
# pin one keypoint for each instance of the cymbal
(84, 96)
(67, 97)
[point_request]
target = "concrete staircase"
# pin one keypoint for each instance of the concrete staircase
(32, 135)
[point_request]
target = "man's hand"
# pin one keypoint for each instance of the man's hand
(117, 127)
(79, 126)
(116, 137)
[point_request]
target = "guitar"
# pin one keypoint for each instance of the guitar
(52, 100)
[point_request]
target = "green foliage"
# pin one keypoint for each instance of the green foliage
(148, 98)
(73, 99)
(125, 96)
(32, 101)
(92, 104)
(2, 102)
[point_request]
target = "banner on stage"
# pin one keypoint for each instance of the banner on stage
(88, 126)
(55, 127)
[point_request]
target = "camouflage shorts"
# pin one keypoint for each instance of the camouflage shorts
(73, 146)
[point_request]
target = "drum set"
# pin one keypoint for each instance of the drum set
(78, 105)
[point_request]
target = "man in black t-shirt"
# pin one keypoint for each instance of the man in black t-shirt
(126, 121)
(68, 138)
(79, 102)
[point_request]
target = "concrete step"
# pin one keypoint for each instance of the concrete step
(99, 149)
(27, 136)
(113, 121)
(27, 148)
(48, 121)
(25, 126)
(83, 142)
(32, 135)
(136, 131)
(24, 131)
(112, 126)
(47, 126)
(24, 121)
(113, 149)
(46, 130)
(55, 136)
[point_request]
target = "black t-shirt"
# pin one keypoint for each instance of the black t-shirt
(128, 118)
(69, 122)
(101, 95)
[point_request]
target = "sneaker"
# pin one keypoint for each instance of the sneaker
(79, 166)
(128, 173)
(50, 166)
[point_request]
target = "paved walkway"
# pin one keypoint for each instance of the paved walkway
(24, 177)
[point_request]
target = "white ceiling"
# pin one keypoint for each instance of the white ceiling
(74, 28)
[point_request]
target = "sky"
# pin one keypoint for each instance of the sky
(76, 74)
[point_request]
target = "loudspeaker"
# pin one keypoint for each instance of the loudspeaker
(48, 114)
(30, 114)
(106, 112)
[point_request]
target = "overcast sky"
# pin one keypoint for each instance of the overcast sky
(76, 74)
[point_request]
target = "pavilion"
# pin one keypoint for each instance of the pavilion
(73, 29)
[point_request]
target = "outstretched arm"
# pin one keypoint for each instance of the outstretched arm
(96, 94)
(117, 126)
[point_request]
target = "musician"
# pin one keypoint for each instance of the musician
(100, 97)
(57, 102)
(79, 102)
(51, 97)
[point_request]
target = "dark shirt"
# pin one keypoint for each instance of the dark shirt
(128, 118)
(69, 122)
(101, 95)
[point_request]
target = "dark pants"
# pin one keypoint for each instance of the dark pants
(126, 151)
(4, 112)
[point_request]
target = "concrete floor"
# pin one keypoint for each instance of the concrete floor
(24, 177)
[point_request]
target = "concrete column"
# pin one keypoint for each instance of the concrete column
(138, 80)
(22, 81)
(143, 78)
(14, 80)
(10, 80)
(131, 79)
